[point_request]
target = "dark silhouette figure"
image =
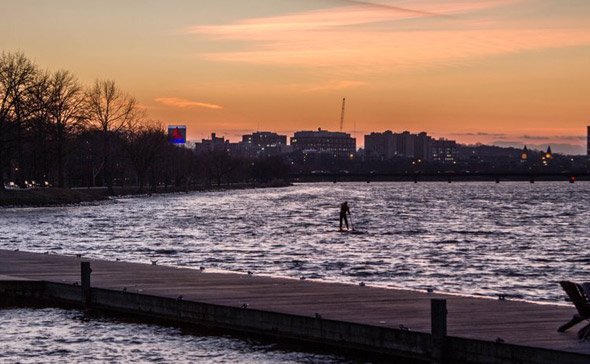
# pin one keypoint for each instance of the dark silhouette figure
(344, 210)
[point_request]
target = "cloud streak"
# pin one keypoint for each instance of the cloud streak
(391, 7)
(325, 19)
(185, 104)
(431, 8)
(377, 52)
(562, 148)
(484, 134)
(573, 138)
(366, 38)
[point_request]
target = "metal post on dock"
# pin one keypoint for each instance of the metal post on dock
(85, 283)
(438, 317)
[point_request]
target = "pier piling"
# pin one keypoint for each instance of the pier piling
(85, 271)
(438, 316)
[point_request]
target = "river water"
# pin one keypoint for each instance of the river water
(471, 238)
(63, 336)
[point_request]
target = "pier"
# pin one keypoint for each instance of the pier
(418, 326)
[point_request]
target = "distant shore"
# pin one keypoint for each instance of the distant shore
(442, 177)
(41, 197)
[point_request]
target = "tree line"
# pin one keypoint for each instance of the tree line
(56, 131)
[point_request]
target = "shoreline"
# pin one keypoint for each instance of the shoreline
(53, 196)
(439, 178)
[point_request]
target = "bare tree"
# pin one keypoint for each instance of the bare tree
(112, 111)
(144, 146)
(17, 76)
(219, 165)
(38, 136)
(68, 114)
(60, 103)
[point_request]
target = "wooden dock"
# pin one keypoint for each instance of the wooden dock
(378, 320)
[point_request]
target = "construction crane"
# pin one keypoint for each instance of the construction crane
(342, 114)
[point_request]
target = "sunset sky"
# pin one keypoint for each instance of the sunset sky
(491, 71)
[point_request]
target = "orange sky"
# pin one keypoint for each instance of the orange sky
(491, 71)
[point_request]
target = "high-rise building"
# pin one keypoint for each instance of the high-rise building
(444, 150)
(380, 145)
(423, 147)
(338, 144)
(218, 144)
(209, 145)
(404, 144)
(387, 145)
(264, 143)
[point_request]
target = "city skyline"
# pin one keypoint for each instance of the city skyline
(503, 72)
(360, 138)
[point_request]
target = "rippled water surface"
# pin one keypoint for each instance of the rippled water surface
(60, 336)
(474, 238)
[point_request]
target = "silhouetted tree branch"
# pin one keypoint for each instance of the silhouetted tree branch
(67, 114)
(144, 145)
(17, 76)
(111, 111)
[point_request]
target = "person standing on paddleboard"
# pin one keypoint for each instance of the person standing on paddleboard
(344, 210)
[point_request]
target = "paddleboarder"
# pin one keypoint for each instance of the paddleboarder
(344, 210)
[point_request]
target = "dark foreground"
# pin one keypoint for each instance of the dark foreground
(396, 323)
